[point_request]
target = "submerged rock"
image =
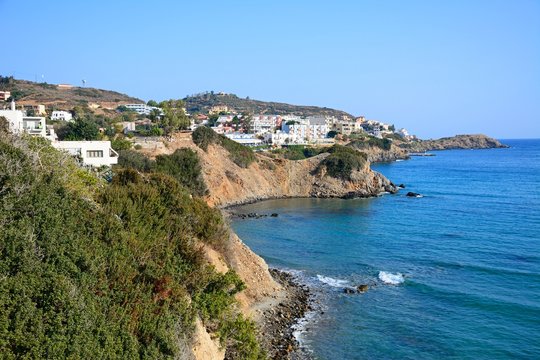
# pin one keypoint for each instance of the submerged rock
(348, 291)
(401, 186)
(274, 215)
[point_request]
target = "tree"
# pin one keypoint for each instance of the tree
(331, 134)
(247, 123)
(175, 117)
(152, 103)
(80, 129)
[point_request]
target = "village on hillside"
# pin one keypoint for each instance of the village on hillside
(119, 124)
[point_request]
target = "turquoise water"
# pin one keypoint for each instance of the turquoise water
(469, 253)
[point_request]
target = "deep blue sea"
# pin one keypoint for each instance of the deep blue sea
(453, 275)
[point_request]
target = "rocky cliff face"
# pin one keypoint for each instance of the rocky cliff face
(376, 154)
(455, 142)
(268, 178)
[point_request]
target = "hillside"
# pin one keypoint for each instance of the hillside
(204, 102)
(28, 92)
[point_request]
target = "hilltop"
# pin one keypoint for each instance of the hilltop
(63, 97)
(203, 103)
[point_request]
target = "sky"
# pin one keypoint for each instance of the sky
(437, 68)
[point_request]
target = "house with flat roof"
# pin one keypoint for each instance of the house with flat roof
(19, 123)
(89, 153)
(61, 115)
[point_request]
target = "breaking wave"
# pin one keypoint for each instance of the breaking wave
(332, 282)
(391, 279)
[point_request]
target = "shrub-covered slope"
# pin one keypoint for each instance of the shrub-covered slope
(92, 270)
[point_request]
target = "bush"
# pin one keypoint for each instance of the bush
(342, 161)
(121, 144)
(185, 167)
(299, 152)
(241, 155)
(371, 141)
(135, 160)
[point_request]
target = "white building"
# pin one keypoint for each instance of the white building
(4, 95)
(90, 153)
(245, 139)
(143, 109)
(61, 115)
(18, 123)
(262, 124)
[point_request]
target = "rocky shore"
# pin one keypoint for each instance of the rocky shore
(276, 323)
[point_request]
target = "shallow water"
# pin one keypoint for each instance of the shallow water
(455, 274)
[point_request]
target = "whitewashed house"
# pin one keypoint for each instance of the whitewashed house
(61, 115)
(19, 123)
(90, 153)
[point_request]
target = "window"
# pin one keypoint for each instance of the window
(94, 153)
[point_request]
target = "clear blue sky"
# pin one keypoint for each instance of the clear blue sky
(435, 67)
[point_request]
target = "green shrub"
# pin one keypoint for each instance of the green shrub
(342, 161)
(121, 144)
(204, 136)
(241, 155)
(184, 166)
(135, 160)
(371, 141)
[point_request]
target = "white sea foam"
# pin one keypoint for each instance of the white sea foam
(332, 282)
(391, 279)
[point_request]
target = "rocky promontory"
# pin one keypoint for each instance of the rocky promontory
(456, 142)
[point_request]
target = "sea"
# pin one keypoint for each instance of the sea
(454, 274)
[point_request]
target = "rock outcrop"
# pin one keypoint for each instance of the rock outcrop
(455, 142)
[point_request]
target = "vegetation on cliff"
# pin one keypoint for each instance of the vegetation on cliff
(96, 270)
(342, 161)
(241, 155)
(371, 141)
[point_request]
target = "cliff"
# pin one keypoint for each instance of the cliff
(456, 142)
(268, 177)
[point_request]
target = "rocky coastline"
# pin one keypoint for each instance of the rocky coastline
(277, 323)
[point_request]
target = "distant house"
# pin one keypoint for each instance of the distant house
(128, 126)
(61, 115)
(4, 95)
(19, 123)
(90, 153)
(143, 109)
(218, 109)
(64, 86)
(37, 109)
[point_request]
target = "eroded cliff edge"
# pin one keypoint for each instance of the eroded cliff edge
(267, 178)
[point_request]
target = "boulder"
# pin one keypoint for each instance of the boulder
(274, 215)
(401, 186)
(362, 288)
(413, 194)
(348, 291)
